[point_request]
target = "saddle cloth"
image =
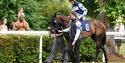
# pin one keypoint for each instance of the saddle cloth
(86, 26)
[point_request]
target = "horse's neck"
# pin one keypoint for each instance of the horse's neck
(63, 18)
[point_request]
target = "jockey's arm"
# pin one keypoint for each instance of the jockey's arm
(78, 28)
(83, 9)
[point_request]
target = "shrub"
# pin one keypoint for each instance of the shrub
(88, 50)
(25, 49)
(19, 49)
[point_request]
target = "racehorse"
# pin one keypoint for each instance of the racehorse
(97, 33)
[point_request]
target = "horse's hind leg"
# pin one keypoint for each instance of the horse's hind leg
(103, 48)
(104, 51)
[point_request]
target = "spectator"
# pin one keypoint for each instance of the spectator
(119, 27)
(21, 13)
(21, 24)
(3, 26)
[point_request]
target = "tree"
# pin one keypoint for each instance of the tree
(49, 8)
(113, 9)
(9, 10)
(38, 12)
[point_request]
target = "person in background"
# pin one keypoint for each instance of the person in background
(21, 13)
(21, 24)
(119, 27)
(3, 26)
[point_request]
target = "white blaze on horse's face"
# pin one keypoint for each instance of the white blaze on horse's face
(55, 21)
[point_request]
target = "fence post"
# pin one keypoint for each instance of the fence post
(103, 58)
(40, 50)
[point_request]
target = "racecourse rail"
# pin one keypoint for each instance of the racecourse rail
(41, 33)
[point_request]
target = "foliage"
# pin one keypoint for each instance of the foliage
(88, 50)
(112, 8)
(38, 12)
(115, 9)
(19, 49)
(49, 8)
(9, 10)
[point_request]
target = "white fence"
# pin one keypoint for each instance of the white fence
(41, 33)
(118, 35)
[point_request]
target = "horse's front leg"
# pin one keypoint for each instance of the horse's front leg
(97, 53)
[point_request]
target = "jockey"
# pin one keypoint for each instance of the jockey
(80, 10)
(78, 27)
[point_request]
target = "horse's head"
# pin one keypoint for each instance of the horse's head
(55, 25)
(58, 22)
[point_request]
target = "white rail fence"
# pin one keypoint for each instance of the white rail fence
(41, 33)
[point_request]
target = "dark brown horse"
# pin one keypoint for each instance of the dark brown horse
(97, 33)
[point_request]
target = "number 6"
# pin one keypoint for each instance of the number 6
(87, 27)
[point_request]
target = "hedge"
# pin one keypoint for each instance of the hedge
(25, 49)
(19, 49)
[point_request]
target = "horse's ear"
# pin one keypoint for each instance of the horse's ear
(55, 15)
